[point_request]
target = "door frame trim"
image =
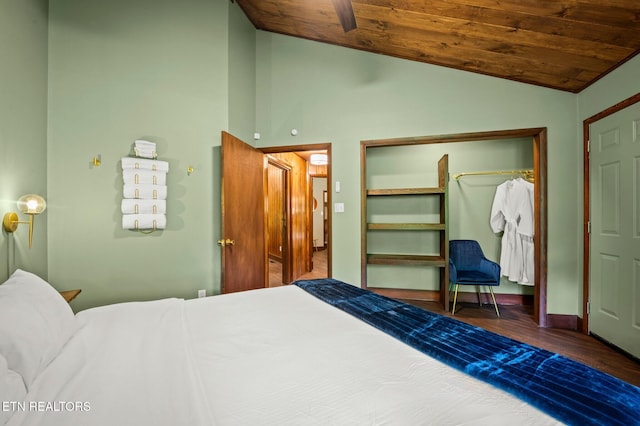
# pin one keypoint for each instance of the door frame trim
(326, 146)
(586, 260)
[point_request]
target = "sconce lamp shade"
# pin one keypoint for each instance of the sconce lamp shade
(31, 204)
(319, 159)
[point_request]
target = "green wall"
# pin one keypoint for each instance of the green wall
(620, 84)
(120, 71)
(178, 74)
(242, 75)
(342, 96)
(23, 128)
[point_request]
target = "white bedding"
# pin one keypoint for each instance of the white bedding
(264, 357)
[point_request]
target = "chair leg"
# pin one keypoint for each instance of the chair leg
(455, 297)
(451, 287)
(494, 301)
(478, 292)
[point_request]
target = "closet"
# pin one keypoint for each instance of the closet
(411, 206)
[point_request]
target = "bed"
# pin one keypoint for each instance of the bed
(318, 352)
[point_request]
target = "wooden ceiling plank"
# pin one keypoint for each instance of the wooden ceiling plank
(591, 31)
(468, 29)
(295, 19)
(301, 8)
(254, 10)
(330, 33)
(550, 55)
(621, 16)
(289, 11)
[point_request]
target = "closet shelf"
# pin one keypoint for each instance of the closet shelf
(405, 191)
(427, 255)
(406, 226)
(405, 259)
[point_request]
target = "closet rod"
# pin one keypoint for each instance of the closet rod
(524, 172)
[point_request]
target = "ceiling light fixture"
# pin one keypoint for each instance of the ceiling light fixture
(319, 159)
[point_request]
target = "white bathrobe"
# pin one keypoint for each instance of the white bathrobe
(512, 214)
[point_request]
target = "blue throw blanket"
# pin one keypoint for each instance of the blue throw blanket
(565, 389)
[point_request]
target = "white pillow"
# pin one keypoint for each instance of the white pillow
(35, 322)
(12, 389)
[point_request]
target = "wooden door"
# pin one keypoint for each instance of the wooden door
(244, 255)
(615, 229)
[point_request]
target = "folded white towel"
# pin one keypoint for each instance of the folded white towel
(145, 192)
(133, 206)
(141, 143)
(145, 153)
(145, 149)
(141, 176)
(144, 221)
(141, 163)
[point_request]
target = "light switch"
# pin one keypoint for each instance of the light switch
(339, 208)
(337, 186)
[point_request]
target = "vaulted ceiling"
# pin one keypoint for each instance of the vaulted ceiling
(561, 44)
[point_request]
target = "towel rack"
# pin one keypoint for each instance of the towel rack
(145, 158)
(146, 231)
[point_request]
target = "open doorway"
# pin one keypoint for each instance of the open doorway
(319, 208)
(320, 227)
(243, 240)
(278, 218)
(299, 221)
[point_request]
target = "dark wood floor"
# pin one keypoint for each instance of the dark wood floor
(517, 323)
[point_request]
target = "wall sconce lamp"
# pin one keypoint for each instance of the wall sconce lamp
(30, 204)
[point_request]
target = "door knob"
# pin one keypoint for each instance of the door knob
(227, 242)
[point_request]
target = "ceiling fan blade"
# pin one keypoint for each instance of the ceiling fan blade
(344, 9)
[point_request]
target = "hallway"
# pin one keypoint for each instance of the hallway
(320, 269)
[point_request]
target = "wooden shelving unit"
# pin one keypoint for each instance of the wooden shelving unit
(439, 260)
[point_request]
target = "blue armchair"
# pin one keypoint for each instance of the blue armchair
(468, 266)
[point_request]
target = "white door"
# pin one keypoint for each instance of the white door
(615, 229)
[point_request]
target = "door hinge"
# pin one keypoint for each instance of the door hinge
(589, 227)
(589, 145)
(588, 308)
